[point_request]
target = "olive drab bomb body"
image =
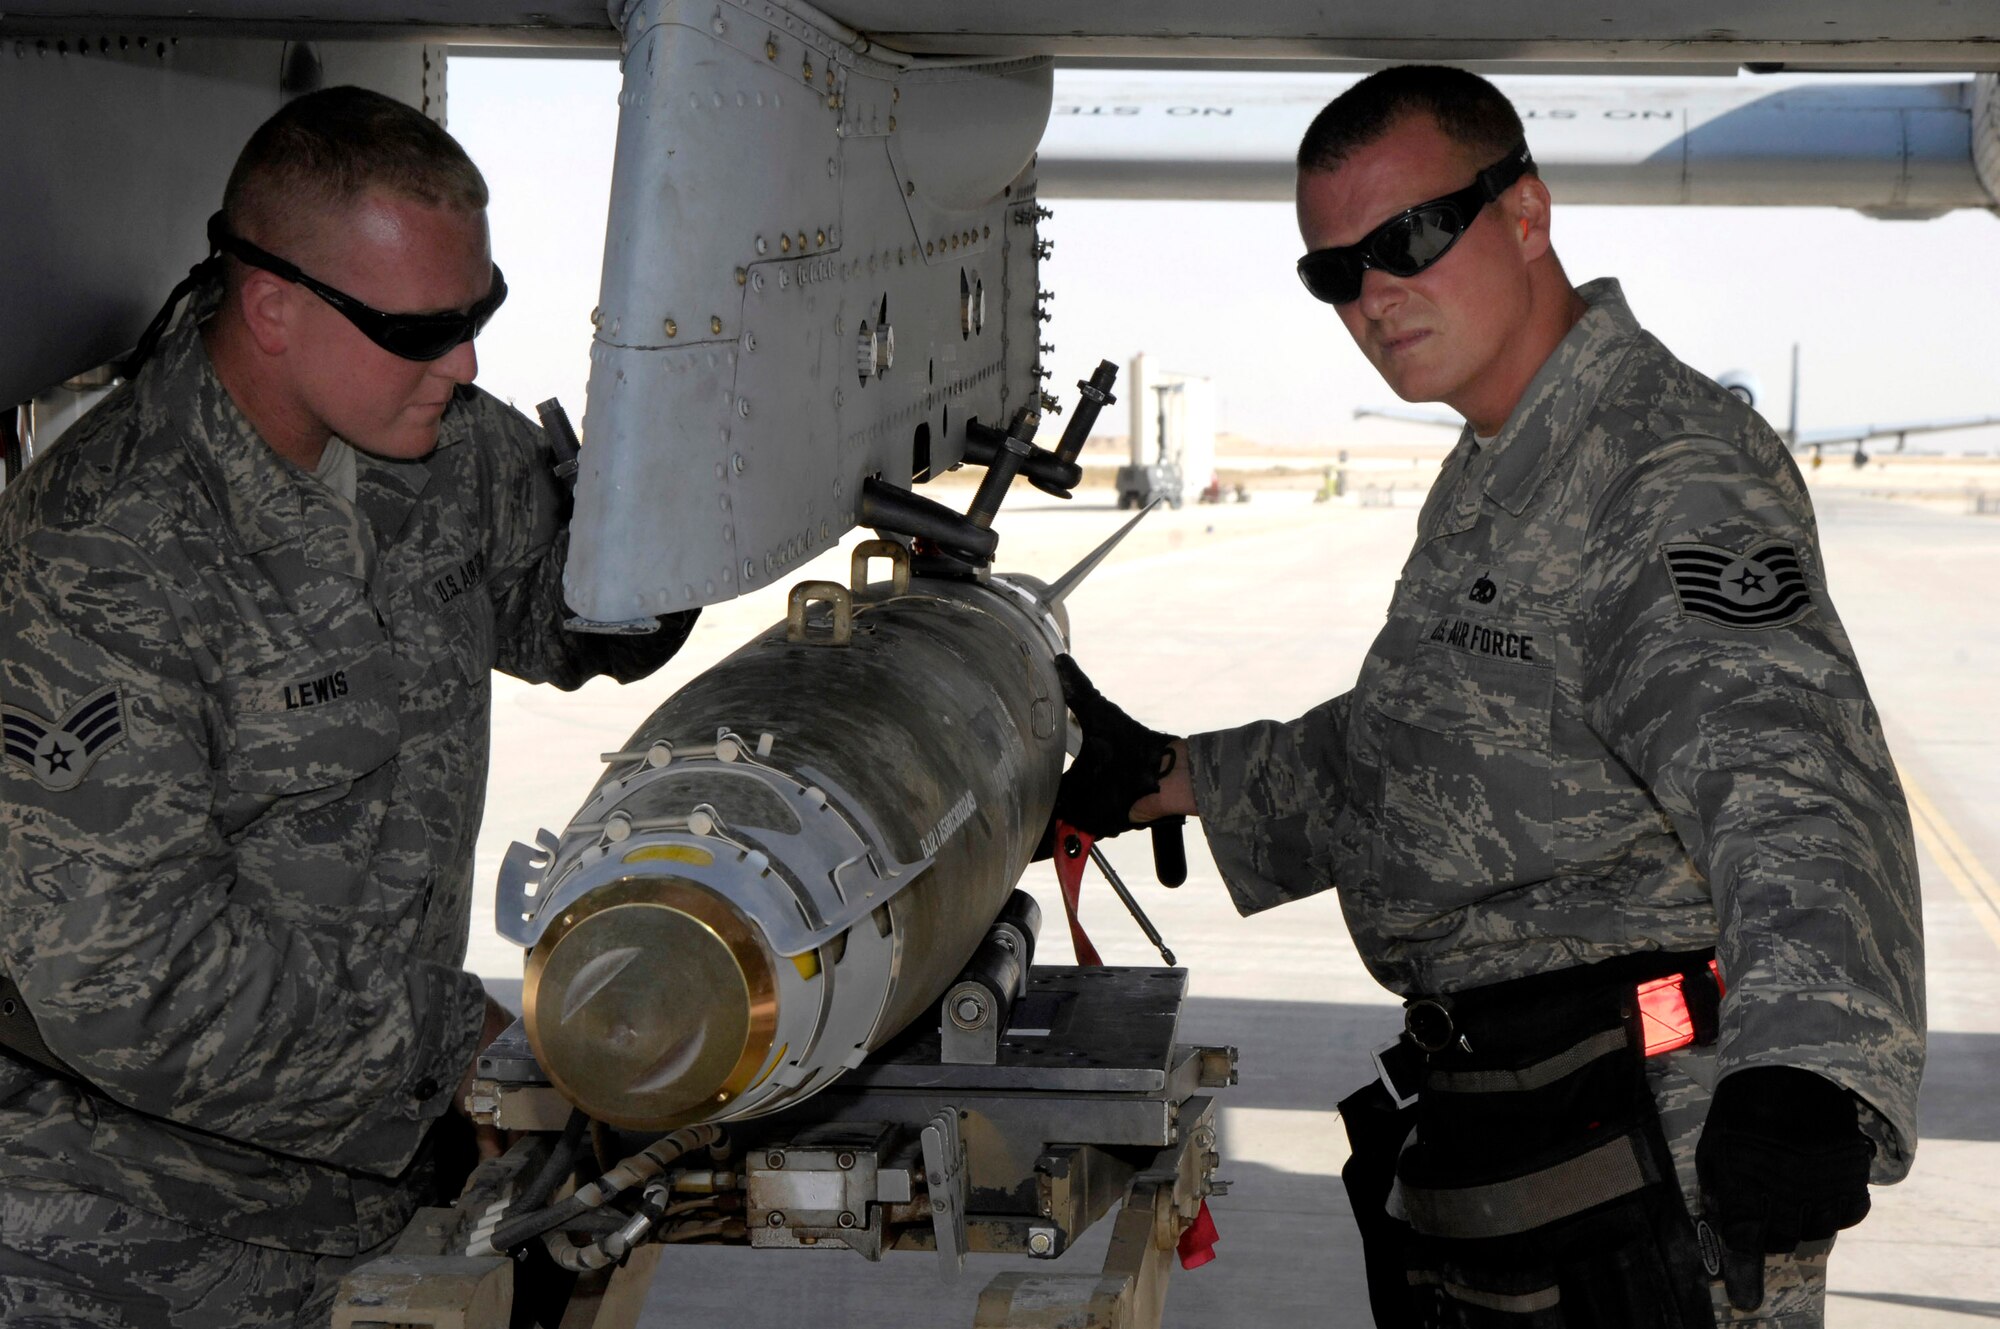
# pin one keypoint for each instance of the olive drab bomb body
(795, 854)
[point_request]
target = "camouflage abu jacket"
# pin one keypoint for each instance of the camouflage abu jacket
(1612, 710)
(246, 745)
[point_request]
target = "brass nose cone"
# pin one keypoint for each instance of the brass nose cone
(650, 1003)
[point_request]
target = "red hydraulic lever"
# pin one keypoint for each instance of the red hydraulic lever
(1072, 855)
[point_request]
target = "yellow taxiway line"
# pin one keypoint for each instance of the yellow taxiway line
(1961, 868)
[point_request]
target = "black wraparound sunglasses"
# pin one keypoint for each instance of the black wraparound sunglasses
(1413, 239)
(412, 336)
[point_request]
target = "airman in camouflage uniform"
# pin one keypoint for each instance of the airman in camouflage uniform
(246, 743)
(1613, 711)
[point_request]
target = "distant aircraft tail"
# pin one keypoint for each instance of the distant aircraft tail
(1792, 422)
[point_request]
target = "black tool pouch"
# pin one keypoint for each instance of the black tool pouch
(1376, 1132)
(1539, 1190)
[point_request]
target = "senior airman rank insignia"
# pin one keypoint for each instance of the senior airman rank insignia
(60, 753)
(1764, 588)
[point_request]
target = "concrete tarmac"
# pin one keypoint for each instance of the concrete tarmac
(1214, 616)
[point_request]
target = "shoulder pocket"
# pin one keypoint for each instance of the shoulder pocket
(1467, 778)
(450, 618)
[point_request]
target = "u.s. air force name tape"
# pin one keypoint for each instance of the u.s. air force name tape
(1764, 588)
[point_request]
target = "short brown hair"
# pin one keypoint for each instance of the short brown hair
(322, 151)
(1472, 113)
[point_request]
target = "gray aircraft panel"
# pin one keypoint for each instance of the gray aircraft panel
(1825, 34)
(556, 21)
(100, 218)
(775, 194)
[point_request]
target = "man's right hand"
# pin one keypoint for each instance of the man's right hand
(1120, 762)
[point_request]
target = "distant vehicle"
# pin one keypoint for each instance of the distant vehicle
(1745, 385)
(1172, 436)
(1140, 485)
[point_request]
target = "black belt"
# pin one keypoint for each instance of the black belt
(1524, 1016)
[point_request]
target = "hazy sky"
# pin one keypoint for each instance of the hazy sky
(1895, 318)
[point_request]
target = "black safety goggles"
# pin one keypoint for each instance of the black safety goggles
(412, 336)
(1411, 240)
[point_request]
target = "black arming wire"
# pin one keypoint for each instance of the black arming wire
(559, 1164)
(520, 1231)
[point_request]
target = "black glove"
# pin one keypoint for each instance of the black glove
(1121, 760)
(631, 656)
(1781, 1161)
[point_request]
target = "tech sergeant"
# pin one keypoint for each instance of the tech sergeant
(249, 607)
(1612, 729)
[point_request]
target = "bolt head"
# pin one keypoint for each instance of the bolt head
(843, 1161)
(774, 1160)
(776, 1219)
(1040, 1243)
(846, 1219)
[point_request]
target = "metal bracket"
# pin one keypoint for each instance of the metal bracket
(899, 565)
(969, 1021)
(1130, 1293)
(844, 868)
(834, 594)
(944, 1171)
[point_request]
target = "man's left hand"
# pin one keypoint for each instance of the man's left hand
(1782, 1161)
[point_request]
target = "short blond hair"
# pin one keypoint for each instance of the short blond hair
(1471, 112)
(322, 152)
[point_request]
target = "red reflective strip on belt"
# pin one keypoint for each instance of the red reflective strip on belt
(1664, 1020)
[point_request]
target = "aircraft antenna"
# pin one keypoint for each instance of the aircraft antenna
(1060, 588)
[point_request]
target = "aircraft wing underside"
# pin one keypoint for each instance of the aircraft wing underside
(823, 257)
(1557, 36)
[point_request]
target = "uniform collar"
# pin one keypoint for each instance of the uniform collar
(261, 498)
(264, 500)
(1560, 397)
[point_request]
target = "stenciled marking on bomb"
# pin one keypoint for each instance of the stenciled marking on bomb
(956, 816)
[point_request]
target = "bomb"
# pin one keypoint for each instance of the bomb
(795, 855)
